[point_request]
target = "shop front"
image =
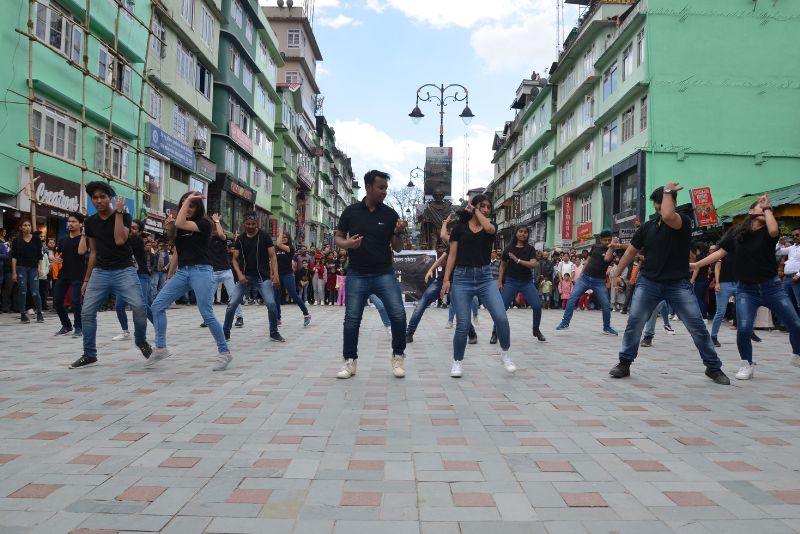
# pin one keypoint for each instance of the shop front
(232, 199)
(627, 196)
(169, 165)
(535, 218)
(55, 199)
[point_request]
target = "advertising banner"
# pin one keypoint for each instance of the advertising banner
(163, 143)
(703, 206)
(240, 137)
(567, 207)
(55, 197)
(585, 231)
(410, 267)
(438, 171)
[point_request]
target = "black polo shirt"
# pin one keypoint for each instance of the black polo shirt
(374, 256)
(667, 249)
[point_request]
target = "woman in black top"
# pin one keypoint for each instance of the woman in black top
(189, 268)
(756, 271)
(468, 275)
(700, 277)
(284, 251)
(26, 257)
(516, 276)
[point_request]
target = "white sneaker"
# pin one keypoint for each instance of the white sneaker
(223, 359)
(348, 369)
(157, 356)
(475, 320)
(121, 337)
(796, 360)
(456, 370)
(745, 371)
(397, 366)
(389, 331)
(449, 324)
(508, 363)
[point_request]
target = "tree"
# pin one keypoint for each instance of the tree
(406, 198)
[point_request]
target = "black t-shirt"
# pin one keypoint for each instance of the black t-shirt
(284, 260)
(108, 255)
(137, 247)
(755, 256)
(376, 227)
(27, 253)
(597, 266)
(254, 254)
(513, 269)
(73, 266)
(192, 247)
(727, 272)
(474, 248)
(703, 272)
(667, 249)
(218, 251)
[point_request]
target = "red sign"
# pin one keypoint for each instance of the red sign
(703, 206)
(273, 227)
(240, 138)
(585, 231)
(567, 207)
(242, 192)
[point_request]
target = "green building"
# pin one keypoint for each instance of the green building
(288, 195)
(113, 87)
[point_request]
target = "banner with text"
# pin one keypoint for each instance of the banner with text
(703, 206)
(410, 267)
(567, 207)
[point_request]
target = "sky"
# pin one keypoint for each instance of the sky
(376, 53)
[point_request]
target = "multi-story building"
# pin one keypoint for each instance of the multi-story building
(292, 180)
(65, 56)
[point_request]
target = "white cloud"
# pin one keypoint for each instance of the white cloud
(337, 21)
(462, 13)
(321, 71)
(325, 4)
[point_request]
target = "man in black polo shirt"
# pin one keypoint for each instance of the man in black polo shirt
(370, 230)
(664, 276)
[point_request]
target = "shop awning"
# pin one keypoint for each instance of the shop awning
(783, 196)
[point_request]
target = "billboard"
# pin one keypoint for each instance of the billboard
(410, 267)
(703, 205)
(438, 171)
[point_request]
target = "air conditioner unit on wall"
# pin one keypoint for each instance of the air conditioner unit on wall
(199, 145)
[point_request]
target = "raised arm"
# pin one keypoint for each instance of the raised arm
(708, 260)
(120, 230)
(181, 222)
(218, 226)
(669, 213)
(279, 242)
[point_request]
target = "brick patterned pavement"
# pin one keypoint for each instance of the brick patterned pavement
(277, 444)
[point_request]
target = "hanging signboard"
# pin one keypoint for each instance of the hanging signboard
(703, 207)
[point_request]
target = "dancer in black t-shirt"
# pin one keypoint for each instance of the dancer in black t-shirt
(70, 255)
(284, 252)
(26, 260)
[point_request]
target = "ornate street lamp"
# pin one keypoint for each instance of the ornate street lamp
(459, 94)
(416, 173)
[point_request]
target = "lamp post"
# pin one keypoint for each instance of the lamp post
(459, 94)
(415, 174)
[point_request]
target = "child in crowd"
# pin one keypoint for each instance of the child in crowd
(341, 281)
(545, 291)
(303, 276)
(564, 290)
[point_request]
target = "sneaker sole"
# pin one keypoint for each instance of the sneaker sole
(87, 365)
(153, 359)
(454, 376)
(277, 340)
(737, 377)
(610, 334)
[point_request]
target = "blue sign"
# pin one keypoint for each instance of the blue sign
(90, 209)
(175, 150)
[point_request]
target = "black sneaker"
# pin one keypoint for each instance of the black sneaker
(538, 335)
(493, 339)
(277, 337)
(715, 341)
(718, 376)
(24, 318)
(239, 322)
(621, 370)
(753, 336)
(473, 340)
(203, 325)
(146, 349)
(39, 318)
(409, 338)
(647, 341)
(83, 361)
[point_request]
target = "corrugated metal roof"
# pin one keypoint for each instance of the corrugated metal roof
(779, 197)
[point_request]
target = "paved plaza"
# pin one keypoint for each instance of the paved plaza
(276, 445)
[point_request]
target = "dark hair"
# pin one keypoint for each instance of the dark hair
(369, 178)
(795, 228)
(605, 233)
(517, 229)
(139, 223)
(77, 216)
(250, 215)
(288, 241)
(464, 216)
(739, 231)
(200, 213)
(91, 187)
(658, 195)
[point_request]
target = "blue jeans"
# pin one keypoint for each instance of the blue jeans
(598, 287)
(380, 308)
(772, 295)
(288, 283)
(157, 281)
(512, 286)
(103, 282)
(700, 287)
(468, 283)
(264, 288)
(384, 286)
(144, 282)
(678, 294)
(428, 297)
(726, 291)
(451, 311)
(650, 327)
(59, 292)
(200, 279)
(226, 278)
(793, 290)
(28, 278)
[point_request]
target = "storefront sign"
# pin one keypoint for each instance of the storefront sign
(206, 168)
(703, 206)
(626, 234)
(567, 206)
(240, 138)
(515, 205)
(585, 231)
(539, 210)
(273, 227)
(55, 197)
(170, 208)
(154, 224)
(241, 191)
(163, 143)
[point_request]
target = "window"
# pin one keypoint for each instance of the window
(123, 80)
(187, 11)
(261, 96)
(203, 80)
(54, 132)
(273, 68)
(104, 65)
(157, 40)
(127, 7)
(627, 62)
(197, 185)
(627, 124)
(643, 113)
(58, 31)
(587, 112)
(588, 62)
(610, 137)
(233, 109)
(535, 161)
(567, 129)
(610, 80)
(640, 47)
(155, 105)
(235, 62)
(293, 38)
(185, 64)
(230, 160)
(247, 77)
(111, 157)
(201, 132)
(586, 162)
(257, 176)
(180, 123)
(586, 208)
(152, 183)
(546, 155)
(243, 168)
(261, 54)
(248, 30)
(208, 29)
(541, 117)
(565, 173)
(112, 71)
(292, 76)
(236, 12)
